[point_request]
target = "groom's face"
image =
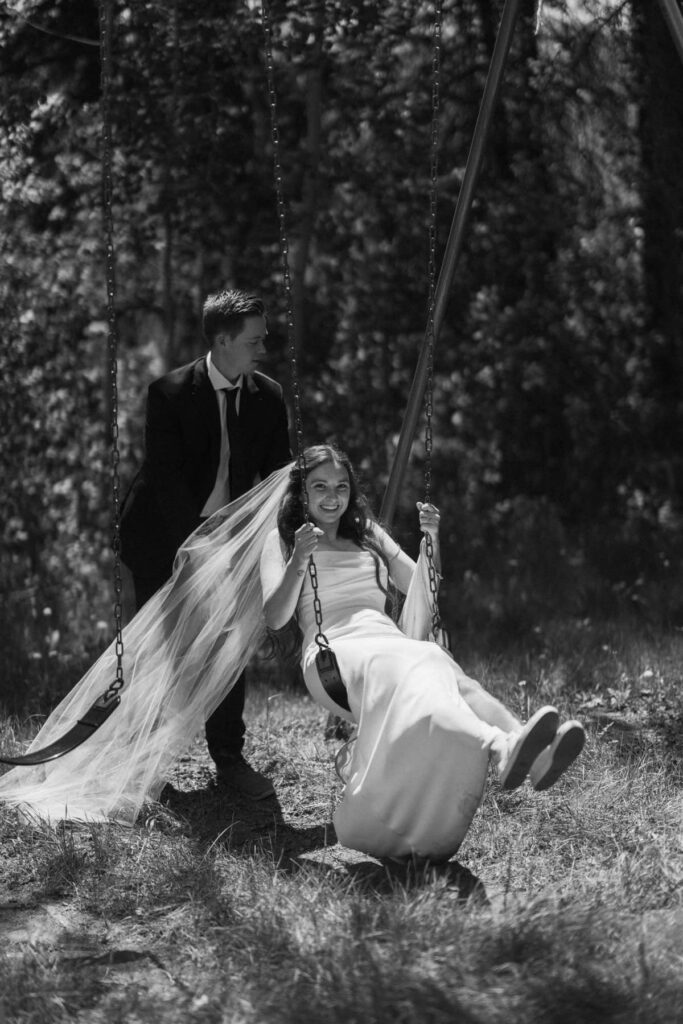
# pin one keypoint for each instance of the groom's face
(244, 350)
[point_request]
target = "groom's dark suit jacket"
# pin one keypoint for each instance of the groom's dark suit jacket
(182, 442)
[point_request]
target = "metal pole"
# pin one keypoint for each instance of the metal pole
(452, 253)
(674, 19)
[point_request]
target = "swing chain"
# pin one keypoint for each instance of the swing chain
(282, 226)
(105, 19)
(431, 269)
(320, 638)
(431, 274)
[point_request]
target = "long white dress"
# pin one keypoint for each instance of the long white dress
(419, 763)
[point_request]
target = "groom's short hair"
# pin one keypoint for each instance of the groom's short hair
(226, 311)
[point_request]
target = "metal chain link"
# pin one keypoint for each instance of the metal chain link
(282, 224)
(431, 274)
(105, 21)
(431, 268)
(321, 639)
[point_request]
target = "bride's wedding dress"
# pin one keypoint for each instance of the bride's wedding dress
(418, 764)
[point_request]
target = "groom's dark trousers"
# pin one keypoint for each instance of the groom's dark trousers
(165, 501)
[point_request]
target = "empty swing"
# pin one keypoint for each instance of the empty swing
(98, 713)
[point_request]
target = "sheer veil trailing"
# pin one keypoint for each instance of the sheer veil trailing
(183, 652)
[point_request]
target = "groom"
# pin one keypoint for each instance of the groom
(213, 429)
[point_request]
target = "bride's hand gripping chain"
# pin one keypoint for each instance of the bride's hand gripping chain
(429, 518)
(282, 581)
(305, 544)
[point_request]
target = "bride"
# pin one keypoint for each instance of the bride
(425, 732)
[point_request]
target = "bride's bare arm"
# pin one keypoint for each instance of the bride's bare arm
(401, 566)
(282, 579)
(401, 569)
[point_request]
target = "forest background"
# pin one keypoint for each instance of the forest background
(558, 462)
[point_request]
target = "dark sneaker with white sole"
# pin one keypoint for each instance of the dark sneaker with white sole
(554, 760)
(525, 746)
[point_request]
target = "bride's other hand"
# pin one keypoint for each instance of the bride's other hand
(429, 519)
(305, 543)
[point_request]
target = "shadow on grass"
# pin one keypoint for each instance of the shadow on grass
(214, 815)
(387, 876)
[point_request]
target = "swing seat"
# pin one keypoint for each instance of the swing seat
(81, 731)
(330, 676)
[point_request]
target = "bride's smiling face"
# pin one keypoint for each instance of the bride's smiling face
(328, 490)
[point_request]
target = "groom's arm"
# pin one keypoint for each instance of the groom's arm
(166, 467)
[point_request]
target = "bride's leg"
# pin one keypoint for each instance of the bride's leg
(513, 752)
(487, 707)
(512, 747)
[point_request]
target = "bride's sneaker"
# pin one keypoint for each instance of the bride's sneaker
(563, 751)
(522, 748)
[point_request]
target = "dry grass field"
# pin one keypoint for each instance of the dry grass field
(562, 907)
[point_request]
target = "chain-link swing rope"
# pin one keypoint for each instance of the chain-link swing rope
(106, 15)
(320, 637)
(438, 632)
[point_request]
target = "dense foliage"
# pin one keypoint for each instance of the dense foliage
(558, 461)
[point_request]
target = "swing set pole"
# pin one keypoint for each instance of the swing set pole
(674, 19)
(451, 254)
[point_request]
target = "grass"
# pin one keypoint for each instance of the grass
(565, 906)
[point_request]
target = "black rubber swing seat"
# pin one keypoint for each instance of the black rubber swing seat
(94, 717)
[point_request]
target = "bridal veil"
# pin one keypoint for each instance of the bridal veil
(183, 651)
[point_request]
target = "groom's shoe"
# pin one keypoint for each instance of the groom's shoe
(237, 774)
(555, 759)
(525, 746)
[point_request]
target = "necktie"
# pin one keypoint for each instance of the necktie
(231, 415)
(232, 423)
